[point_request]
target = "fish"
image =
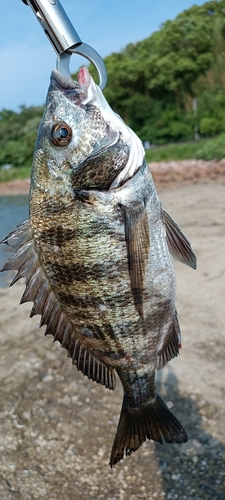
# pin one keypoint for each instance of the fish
(96, 256)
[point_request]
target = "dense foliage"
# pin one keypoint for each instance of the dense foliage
(168, 88)
(18, 133)
(155, 84)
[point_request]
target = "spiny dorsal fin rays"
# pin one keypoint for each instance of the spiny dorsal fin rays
(21, 234)
(25, 261)
(178, 244)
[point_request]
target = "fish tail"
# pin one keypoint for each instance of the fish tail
(153, 420)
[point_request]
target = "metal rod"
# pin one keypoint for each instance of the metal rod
(63, 36)
(55, 23)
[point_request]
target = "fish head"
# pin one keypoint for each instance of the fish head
(81, 142)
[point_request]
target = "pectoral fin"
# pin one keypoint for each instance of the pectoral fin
(179, 246)
(138, 245)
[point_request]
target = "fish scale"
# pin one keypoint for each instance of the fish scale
(102, 289)
(95, 253)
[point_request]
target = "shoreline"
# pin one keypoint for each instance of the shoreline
(164, 174)
(15, 187)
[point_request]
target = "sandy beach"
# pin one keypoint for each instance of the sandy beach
(168, 172)
(57, 427)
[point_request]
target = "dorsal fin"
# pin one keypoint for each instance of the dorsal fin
(25, 261)
(178, 244)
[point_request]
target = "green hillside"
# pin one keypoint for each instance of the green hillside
(155, 84)
(168, 88)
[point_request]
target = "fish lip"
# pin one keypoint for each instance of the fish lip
(63, 82)
(77, 92)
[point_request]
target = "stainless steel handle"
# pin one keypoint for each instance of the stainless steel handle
(63, 36)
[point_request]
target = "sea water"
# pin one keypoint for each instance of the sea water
(13, 210)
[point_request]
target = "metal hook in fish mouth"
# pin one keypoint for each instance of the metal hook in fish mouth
(64, 38)
(63, 62)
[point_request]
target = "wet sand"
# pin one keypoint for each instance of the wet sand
(57, 427)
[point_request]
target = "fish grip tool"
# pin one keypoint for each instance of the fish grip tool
(64, 38)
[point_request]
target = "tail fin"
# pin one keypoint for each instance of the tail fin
(152, 421)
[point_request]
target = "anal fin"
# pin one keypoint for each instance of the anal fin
(171, 345)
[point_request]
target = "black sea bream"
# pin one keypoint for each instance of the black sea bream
(96, 256)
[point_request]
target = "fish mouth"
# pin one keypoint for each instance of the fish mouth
(66, 85)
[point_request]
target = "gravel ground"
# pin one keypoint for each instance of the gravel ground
(57, 427)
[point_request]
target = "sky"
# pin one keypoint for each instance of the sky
(27, 57)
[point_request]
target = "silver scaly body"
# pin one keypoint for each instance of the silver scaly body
(96, 256)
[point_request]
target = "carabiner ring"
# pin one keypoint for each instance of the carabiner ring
(63, 62)
(64, 38)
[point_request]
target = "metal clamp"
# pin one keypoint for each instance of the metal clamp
(64, 38)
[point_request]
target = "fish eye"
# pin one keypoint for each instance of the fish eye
(61, 134)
